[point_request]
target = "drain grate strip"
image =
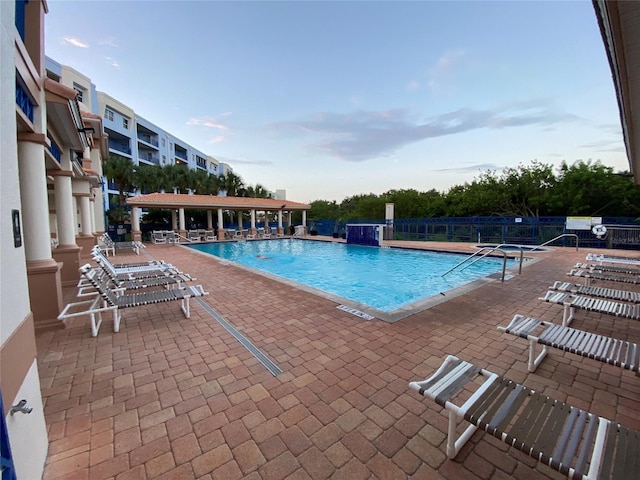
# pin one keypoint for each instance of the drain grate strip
(261, 357)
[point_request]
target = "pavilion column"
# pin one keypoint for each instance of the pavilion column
(239, 217)
(98, 193)
(289, 219)
(43, 272)
(280, 229)
(253, 230)
(209, 220)
(92, 201)
(181, 227)
(67, 252)
(304, 221)
(220, 225)
(136, 234)
(174, 220)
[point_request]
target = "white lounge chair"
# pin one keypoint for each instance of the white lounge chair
(574, 442)
(608, 268)
(591, 291)
(602, 257)
(598, 347)
(106, 243)
(590, 275)
(571, 302)
(158, 237)
(209, 236)
(173, 237)
(193, 236)
(108, 299)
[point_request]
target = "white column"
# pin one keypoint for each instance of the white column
(135, 219)
(92, 210)
(253, 219)
(220, 219)
(34, 201)
(174, 220)
(65, 217)
(209, 220)
(279, 219)
(289, 218)
(85, 215)
(181, 217)
(304, 219)
(239, 215)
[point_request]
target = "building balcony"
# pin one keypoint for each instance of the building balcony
(120, 148)
(148, 157)
(23, 100)
(148, 139)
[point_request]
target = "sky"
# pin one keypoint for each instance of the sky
(327, 100)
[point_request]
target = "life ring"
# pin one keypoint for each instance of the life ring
(599, 230)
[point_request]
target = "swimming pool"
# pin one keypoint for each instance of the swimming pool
(389, 283)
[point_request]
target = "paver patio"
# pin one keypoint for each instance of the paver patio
(175, 398)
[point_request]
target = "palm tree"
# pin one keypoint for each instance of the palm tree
(234, 185)
(120, 171)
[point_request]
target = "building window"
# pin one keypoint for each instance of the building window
(108, 114)
(125, 123)
(164, 157)
(164, 142)
(79, 91)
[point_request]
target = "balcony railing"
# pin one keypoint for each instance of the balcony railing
(148, 139)
(182, 155)
(120, 148)
(23, 100)
(148, 157)
(54, 149)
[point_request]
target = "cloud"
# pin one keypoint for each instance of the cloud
(363, 135)
(109, 42)
(605, 146)
(218, 139)
(209, 122)
(114, 63)
(237, 161)
(75, 42)
(440, 74)
(472, 168)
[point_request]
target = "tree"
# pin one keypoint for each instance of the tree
(233, 185)
(119, 170)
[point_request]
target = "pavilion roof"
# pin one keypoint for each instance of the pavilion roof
(175, 200)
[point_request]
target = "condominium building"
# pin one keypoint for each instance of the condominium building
(131, 135)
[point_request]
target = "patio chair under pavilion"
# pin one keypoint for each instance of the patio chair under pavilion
(182, 202)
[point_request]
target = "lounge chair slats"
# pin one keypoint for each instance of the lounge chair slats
(116, 299)
(570, 440)
(598, 275)
(601, 257)
(605, 349)
(572, 301)
(608, 268)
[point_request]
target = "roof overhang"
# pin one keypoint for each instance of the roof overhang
(173, 200)
(63, 114)
(620, 28)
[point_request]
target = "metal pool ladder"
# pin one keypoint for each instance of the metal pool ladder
(490, 250)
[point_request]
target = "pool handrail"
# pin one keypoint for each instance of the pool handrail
(560, 236)
(491, 250)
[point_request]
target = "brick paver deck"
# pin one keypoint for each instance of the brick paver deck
(175, 398)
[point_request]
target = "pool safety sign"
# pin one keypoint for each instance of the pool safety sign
(582, 223)
(355, 312)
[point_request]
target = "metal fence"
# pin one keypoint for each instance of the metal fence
(621, 232)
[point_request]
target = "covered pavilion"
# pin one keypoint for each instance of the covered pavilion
(181, 202)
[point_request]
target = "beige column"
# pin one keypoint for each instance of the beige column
(43, 272)
(220, 225)
(289, 219)
(280, 229)
(239, 219)
(98, 204)
(68, 252)
(209, 220)
(181, 228)
(92, 201)
(253, 222)
(174, 220)
(304, 221)
(136, 234)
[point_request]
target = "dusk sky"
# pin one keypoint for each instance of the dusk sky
(332, 99)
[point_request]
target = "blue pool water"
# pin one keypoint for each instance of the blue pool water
(382, 278)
